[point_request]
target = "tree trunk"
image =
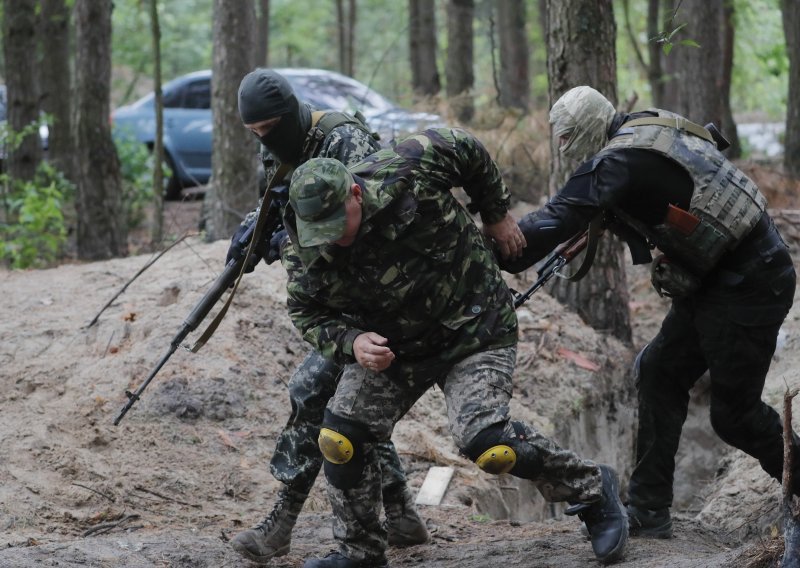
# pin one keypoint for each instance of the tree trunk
(102, 230)
(262, 35)
(234, 187)
(701, 79)
(422, 47)
(459, 73)
(669, 63)
(655, 75)
(55, 80)
(22, 90)
(514, 76)
(158, 146)
(728, 124)
(580, 51)
(346, 24)
(791, 28)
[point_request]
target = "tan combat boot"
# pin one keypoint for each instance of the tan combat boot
(403, 523)
(272, 536)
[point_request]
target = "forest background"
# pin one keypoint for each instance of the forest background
(493, 67)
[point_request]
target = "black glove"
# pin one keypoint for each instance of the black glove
(237, 249)
(274, 252)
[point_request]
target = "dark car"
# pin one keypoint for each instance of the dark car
(188, 124)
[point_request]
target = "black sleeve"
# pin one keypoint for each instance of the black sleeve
(566, 214)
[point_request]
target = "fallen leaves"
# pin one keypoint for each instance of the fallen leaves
(580, 360)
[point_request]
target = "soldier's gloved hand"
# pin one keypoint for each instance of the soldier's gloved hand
(237, 249)
(274, 252)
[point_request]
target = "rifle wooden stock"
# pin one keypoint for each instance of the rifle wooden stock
(562, 255)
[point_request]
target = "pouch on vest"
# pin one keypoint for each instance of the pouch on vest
(671, 279)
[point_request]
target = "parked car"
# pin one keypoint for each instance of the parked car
(188, 124)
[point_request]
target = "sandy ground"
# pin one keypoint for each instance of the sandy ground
(186, 469)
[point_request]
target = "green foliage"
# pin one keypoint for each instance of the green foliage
(136, 169)
(34, 231)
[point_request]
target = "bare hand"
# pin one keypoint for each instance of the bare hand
(371, 352)
(508, 236)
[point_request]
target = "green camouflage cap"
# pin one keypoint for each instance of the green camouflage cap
(317, 194)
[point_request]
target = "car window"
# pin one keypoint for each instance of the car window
(173, 98)
(197, 95)
(325, 92)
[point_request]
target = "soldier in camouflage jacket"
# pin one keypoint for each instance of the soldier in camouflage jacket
(389, 275)
(283, 125)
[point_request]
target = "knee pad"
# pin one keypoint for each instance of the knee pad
(342, 443)
(493, 450)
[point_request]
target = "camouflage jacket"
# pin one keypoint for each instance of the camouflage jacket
(347, 143)
(420, 272)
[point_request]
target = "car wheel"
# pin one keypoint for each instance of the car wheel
(172, 185)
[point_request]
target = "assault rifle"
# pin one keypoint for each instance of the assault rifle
(563, 255)
(273, 224)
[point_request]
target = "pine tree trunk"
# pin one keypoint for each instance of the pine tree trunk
(580, 51)
(459, 73)
(262, 35)
(156, 233)
(22, 89)
(727, 124)
(791, 27)
(234, 187)
(422, 47)
(56, 81)
(102, 229)
(514, 73)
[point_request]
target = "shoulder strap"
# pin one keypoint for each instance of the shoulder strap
(679, 122)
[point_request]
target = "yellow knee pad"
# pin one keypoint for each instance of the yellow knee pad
(335, 447)
(497, 459)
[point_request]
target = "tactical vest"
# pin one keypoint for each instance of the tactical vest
(323, 122)
(725, 204)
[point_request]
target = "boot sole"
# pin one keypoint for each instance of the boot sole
(618, 551)
(264, 559)
(657, 532)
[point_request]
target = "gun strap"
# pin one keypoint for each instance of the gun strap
(680, 123)
(279, 174)
(595, 229)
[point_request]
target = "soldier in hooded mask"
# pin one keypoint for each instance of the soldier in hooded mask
(660, 181)
(291, 132)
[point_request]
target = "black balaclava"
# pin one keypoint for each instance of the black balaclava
(264, 94)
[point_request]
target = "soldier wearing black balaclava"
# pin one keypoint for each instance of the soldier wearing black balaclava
(264, 94)
(661, 182)
(293, 138)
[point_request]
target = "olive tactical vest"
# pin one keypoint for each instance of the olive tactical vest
(725, 204)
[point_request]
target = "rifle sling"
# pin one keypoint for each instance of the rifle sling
(279, 174)
(595, 229)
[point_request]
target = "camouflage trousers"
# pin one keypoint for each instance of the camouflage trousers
(297, 458)
(477, 391)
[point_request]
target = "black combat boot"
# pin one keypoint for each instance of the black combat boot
(338, 560)
(606, 519)
(403, 523)
(272, 536)
(651, 523)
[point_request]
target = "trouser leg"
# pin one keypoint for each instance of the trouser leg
(477, 391)
(364, 409)
(667, 370)
(297, 459)
(739, 354)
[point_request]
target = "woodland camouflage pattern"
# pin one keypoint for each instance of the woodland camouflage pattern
(347, 143)
(441, 294)
(297, 459)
